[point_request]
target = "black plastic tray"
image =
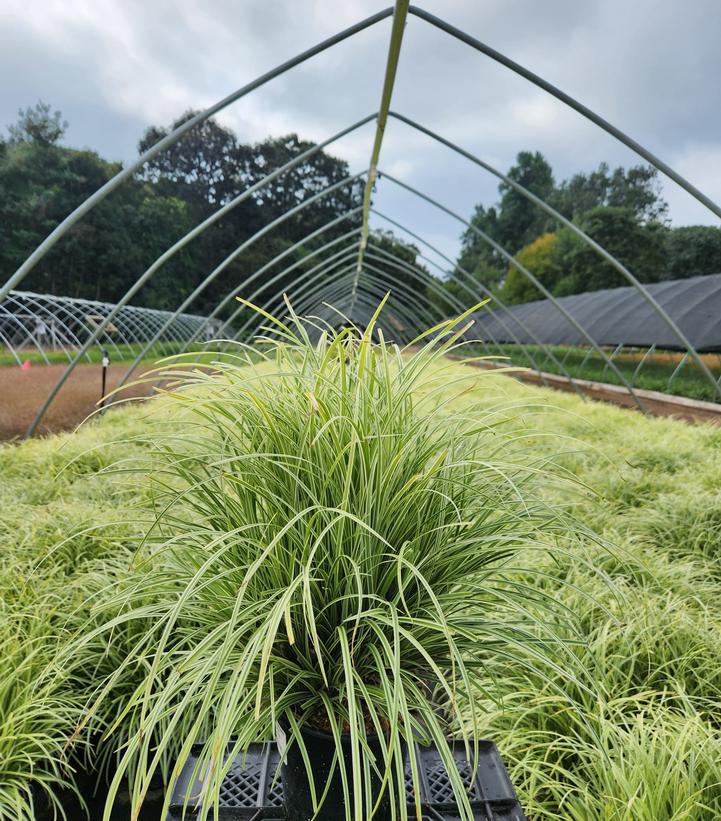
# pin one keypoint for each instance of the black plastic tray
(251, 790)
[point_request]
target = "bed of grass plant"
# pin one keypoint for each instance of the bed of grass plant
(657, 373)
(124, 352)
(645, 746)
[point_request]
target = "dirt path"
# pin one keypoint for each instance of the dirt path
(22, 393)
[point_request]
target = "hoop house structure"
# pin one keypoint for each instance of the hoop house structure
(51, 326)
(351, 272)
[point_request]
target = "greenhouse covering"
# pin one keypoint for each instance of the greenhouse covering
(616, 316)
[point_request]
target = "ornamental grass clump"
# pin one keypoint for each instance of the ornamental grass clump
(334, 550)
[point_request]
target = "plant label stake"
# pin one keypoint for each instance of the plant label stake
(105, 363)
(280, 740)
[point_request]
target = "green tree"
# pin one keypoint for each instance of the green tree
(513, 223)
(208, 167)
(41, 182)
(693, 250)
(625, 199)
(202, 167)
(277, 198)
(637, 188)
(477, 254)
(307, 179)
(541, 258)
(38, 125)
(520, 221)
(641, 248)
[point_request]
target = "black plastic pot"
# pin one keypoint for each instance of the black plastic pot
(253, 789)
(94, 796)
(321, 750)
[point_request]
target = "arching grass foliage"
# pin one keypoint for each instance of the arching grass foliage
(332, 550)
(632, 733)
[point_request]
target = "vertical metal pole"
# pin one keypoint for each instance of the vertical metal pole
(400, 12)
(103, 390)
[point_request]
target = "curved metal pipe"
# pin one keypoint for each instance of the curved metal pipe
(7, 342)
(488, 294)
(372, 290)
(341, 286)
(73, 310)
(301, 242)
(345, 256)
(271, 304)
(433, 284)
(569, 101)
(27, 334)
(371, 305)
(374, 295)
(388, 283)
(451, 274)
(173, 137)
(275, 300)
(535, 282)
(134, 329)
(209, 278)
(21, 299)
(234, 255)
(474, 297)
(279, 276)
(312, 288)
(401, 286)
(187, 238)
(583, 235)
(334, 297)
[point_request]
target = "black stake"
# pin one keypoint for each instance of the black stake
(105, 363)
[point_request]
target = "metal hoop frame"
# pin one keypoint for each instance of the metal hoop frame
(66, 321)
(150, 328)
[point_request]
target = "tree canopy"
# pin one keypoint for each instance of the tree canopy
(42, 180)
(622, 210)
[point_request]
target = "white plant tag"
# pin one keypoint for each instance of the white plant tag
(280, 739)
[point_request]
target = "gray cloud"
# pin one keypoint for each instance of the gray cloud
(651, 68)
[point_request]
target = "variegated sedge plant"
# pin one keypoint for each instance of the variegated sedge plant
(333, 548)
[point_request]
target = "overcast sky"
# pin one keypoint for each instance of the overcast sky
(115, 66)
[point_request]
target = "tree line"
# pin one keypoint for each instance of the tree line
(622, 210)
(42, 180)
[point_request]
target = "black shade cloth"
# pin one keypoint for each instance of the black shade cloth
(616, 316)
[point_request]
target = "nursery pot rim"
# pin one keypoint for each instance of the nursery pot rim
(345, 737)
(308, 729)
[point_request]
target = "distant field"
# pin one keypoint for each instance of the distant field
(655, 373)
(22, 392)
(118, 353)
